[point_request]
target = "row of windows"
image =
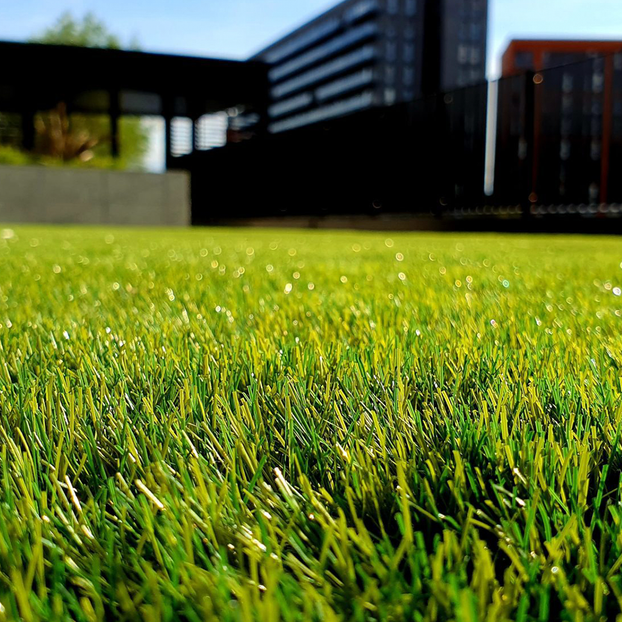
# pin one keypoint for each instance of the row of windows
(290, 105)
(469, 54)
(410, 7)
(324, 29)
(328, 91)
(361, 10)
(594, 84)
(565, 148)
(362, 55)
(349, 83)
(556, 59)
(469, 76)
(342, 107)
(469, 9)
(471, 31)
(181, 136)
(211, 132)
(408, 52)
(408, 75)
(314, 34)
(244, 121)
(335, 45)
(575, 125)
(408, 32)
(524, 60)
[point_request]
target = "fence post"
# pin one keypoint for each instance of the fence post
(114, 112)
(28, 129)
(529, 169)
(607, 128)
(168, 108)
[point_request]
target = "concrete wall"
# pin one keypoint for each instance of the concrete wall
(37, 194)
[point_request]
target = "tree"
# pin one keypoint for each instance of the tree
(88, 33)
(81, 138)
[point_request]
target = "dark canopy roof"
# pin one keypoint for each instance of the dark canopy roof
(38, 77)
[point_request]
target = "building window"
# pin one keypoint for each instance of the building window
(337, 44)
(524, 60)
(595, 149)
(289, 105)
(307, 38)
(476, 31)
(408, 53)
(411, 8)
(566, 103)
(341, 107)
(567, 83)
(463, 54)
(564, 150)
(212, 131)
(391, 52)
(361, 10)
(343, 85)
(181, 136)
(341, 63)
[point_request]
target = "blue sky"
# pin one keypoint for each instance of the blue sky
(236, 28)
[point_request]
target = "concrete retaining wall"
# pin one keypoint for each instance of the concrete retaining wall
(37, 194)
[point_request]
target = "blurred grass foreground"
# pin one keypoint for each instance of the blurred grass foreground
(262, 425)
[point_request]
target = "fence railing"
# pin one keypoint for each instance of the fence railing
(557, 140)
(427, 156)
(559, 136)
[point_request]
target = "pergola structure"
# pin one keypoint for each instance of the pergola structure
(37, 77)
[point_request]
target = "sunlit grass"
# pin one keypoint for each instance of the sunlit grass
(263, 425)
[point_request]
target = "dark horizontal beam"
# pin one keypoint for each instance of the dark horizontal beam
(39, 75)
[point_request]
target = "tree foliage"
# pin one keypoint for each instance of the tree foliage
(89, 32)
(81, 139)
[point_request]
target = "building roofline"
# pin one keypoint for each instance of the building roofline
(146, 55)
(538, 47)
(297, 30)
(564, 43)
(40, 75)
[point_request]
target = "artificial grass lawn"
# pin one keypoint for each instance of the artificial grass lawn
(262, 425)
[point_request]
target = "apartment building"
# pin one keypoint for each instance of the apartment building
(363, 54)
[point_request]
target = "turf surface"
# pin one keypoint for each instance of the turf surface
(275, 426)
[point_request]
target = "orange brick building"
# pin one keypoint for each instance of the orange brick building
(560, 121)
(538, 55)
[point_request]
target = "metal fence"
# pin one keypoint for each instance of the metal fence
(557, 138)
(423, 156)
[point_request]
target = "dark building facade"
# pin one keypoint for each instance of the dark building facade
(365, 54)
(123, 83)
